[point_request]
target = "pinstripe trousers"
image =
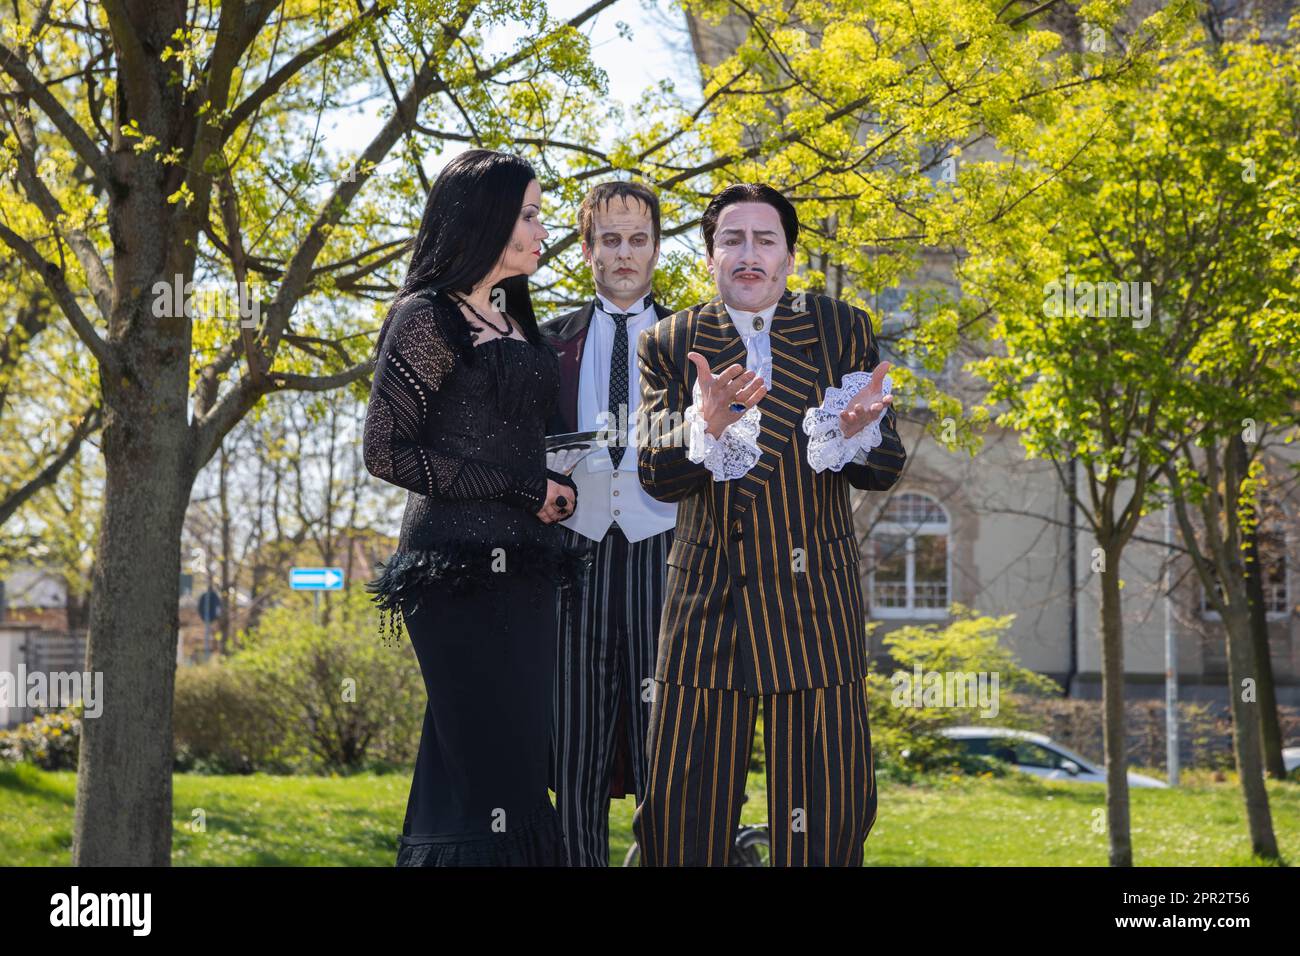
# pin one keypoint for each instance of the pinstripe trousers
(821, 775)
(608, 637)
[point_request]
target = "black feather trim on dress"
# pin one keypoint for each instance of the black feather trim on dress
(457, 568)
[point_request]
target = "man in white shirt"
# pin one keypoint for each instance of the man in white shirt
(608, 627)
(763, 408)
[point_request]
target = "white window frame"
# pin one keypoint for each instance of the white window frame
(910, 532)
(1208, 613)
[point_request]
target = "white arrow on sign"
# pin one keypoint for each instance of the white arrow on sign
(316, 579)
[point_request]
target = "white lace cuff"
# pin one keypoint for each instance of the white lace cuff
(730, 456)
(827, 446)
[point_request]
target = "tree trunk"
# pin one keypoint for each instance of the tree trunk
(1269, 727)
(1246, 732)
(1112, 686)
(1242, 664)
(124, 775)
(77, 607)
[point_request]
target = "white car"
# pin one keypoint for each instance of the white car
(1037, 754)
(1290, 758)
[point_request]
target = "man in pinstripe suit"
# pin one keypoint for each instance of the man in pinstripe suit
(764, 407)
(609, 625)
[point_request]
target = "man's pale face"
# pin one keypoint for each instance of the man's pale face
(623, 253)
(750, 260)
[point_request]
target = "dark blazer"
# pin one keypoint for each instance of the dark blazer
(745, 610)
(568, 336)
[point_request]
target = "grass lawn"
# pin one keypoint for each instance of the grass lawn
(262, 820)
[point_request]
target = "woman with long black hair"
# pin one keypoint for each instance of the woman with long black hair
(462, 389)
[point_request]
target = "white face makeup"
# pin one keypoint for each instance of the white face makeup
(623, 253)
(750, 260)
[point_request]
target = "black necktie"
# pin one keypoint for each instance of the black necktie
(618, 384)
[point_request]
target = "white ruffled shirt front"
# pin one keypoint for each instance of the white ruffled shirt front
(737, 451)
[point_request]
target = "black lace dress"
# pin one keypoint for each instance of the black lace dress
(474, 577)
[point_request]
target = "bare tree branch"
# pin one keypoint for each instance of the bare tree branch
(81, 144)
(85, 426)
(57, 284)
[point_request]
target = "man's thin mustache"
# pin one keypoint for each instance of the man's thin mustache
(737, 271)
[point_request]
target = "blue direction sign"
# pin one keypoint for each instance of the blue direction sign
(316, 579)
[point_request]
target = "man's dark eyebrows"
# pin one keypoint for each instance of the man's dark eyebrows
(741, 232)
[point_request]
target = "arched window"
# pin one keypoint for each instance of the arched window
(910, 574)
(1271, 542)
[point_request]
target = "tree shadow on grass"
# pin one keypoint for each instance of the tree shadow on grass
(31, 781)
(267, 842)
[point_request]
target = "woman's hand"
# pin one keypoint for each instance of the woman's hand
(552, 511)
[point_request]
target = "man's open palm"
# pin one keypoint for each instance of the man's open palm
(868, 405)
(733, 384)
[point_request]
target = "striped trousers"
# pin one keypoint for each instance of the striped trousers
(608, 637)
(821, 776)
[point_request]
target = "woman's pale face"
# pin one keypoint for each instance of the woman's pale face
(523, 251)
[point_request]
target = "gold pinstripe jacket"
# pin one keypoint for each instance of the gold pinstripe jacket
(764, 592)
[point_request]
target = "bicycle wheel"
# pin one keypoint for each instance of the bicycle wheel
(753, 847)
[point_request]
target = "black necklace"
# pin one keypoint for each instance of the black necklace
(478, 315)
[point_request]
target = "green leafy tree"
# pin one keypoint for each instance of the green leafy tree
(907, 712)
(1145, 307)
(49, 415)
(153, 145)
